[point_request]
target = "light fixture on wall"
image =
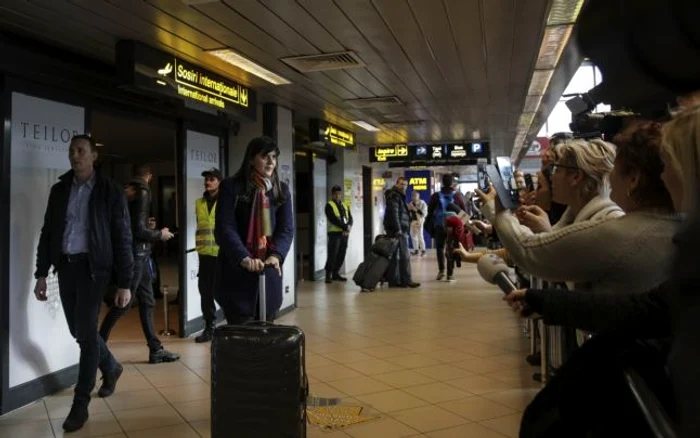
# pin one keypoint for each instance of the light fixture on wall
(366, 126)
(251, 67)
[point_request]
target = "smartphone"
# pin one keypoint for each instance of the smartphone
(482, 178)
(508, 201)
(529, 184)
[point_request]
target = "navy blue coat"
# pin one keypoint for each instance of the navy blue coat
(237, 288)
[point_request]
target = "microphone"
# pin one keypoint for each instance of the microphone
(495, 271)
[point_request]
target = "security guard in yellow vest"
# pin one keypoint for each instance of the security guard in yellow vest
(207, 249)
(339, 225)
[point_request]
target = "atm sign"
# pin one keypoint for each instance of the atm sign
(418, 183)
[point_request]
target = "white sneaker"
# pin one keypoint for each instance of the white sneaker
(450, 278)
(440, 276)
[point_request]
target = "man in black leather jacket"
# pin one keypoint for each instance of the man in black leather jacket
(85, 235)
(139, 208)
(397, 222)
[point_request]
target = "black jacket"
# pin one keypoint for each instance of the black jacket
(109, 231)
(139, 210)
(396, 215)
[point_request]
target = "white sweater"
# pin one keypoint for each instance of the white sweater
(600, 249)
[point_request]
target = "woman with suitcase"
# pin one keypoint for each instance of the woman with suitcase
(254, 231)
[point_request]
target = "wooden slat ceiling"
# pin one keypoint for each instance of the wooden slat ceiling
(457, 65)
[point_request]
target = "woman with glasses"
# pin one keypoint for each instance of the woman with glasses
(594, 246)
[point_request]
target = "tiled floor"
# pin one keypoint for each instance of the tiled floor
(444, 360)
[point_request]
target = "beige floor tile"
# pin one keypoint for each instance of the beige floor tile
(98, 425)
(173, 378)
(178, 431)
(333, 373)
(444, 372)
(404, 379)
(508, 425)
(451, 355)
(469, 430)
(196, 361)
(133, 382)
(360, 386)
(517, 399)
(316, 361)
(479, 385)
(347, 357)
(481, 365)
(414, 361)
(386, 351)
(120, 401)
(315, 432)
(186, 393)
(326, 390)
(476, 409)
(33, 412)
(389, 401)
(148, 418)
(373, 367)
(382, 428)
(428, 418)
(194, 411)
(59, 406)
(437, 392)
(203, 428)
(34, 429)
(203, 373)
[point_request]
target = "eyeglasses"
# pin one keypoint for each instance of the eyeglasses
(553, 167)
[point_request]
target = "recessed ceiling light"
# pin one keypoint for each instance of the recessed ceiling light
(366, 126)
(251, 67)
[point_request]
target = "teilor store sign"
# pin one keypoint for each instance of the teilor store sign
(149, 69)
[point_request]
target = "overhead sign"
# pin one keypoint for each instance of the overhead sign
(430, 154)
(382, 154)
(339, 137)
(334, 135)
(150, 69)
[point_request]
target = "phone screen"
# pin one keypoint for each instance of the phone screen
(503, 193)
(529, 183)
(483, 180)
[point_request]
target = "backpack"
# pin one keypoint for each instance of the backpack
(439, 213)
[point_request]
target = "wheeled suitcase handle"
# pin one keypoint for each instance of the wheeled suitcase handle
(262, 294)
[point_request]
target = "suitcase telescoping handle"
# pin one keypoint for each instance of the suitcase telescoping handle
(262, 295)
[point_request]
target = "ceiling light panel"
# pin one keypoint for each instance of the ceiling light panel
(553, 43)
(251, 67)
(540, 82)
(366, 126)
(564, 12)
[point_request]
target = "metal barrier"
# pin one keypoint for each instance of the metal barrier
(657, 418)
(167, 331)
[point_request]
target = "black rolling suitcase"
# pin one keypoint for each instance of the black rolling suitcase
(373, 269)
(258, 379)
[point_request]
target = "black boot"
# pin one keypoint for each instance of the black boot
(207, 335)
(77, 417)
(337, 277)
(162, 355)
(109, 382)
(329, 280)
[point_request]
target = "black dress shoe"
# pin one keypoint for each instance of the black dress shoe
(339, 278)
(162, 356)
(412, 285)
(206, 336)
(76, 418)
(109, 382)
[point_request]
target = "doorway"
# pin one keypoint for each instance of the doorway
(125, 140)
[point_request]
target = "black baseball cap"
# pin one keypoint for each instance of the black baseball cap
(336, 189)
(216, 173)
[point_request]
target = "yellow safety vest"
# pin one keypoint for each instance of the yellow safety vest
(336, 211)
(204, 237)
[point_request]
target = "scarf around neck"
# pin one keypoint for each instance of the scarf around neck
(259, 226)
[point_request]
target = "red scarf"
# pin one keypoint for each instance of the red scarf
(259, 226)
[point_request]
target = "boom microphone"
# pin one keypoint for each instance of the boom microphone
(495, 271)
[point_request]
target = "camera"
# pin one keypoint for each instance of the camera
(586, 124)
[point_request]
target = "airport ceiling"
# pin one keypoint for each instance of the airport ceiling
(457, 66)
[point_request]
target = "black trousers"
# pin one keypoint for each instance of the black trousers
(206, 282)
(337, 248)
(440, 240)
(81, 297)
(141, 289)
